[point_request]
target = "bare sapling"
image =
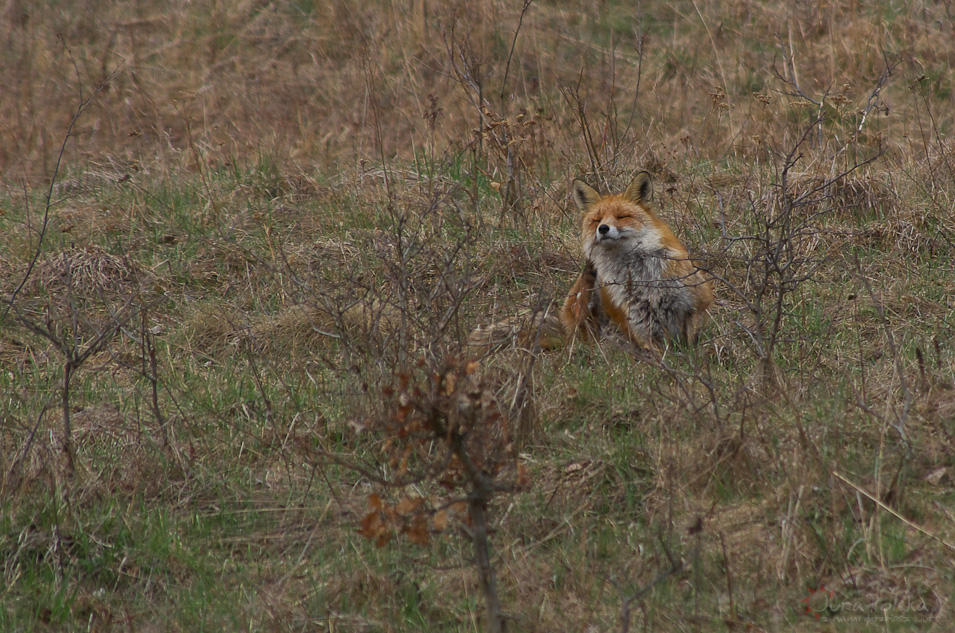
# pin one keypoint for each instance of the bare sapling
(72, 302)
(447, 454)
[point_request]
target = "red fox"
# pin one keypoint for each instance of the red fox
(637, 275)
(637, 279)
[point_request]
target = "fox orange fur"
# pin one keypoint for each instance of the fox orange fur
(637, 279)
(637, 275)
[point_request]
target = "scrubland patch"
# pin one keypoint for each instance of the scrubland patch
(235, 370)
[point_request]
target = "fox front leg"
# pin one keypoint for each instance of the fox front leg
(580, 315)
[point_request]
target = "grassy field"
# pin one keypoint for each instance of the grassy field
(243, 244)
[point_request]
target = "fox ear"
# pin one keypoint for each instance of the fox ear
(584, 194)
(640, 190)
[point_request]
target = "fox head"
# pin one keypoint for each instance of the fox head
(620, 220)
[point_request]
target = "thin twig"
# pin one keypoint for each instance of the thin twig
(507, 67)
(893, 349)
(53, 179)
(898, 516)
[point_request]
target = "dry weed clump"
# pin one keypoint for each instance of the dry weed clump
(299, 327)
(228, 267)
(87, 271)
(211, 328)
(526, 330)
(312, 326)
(852, 197)
(82, 289)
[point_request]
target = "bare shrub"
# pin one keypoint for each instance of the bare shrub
(446, 442)
(77, 300)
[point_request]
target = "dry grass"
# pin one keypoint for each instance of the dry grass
(290, 206)
(334, 85)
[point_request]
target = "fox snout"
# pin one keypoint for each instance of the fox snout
(607, 232)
